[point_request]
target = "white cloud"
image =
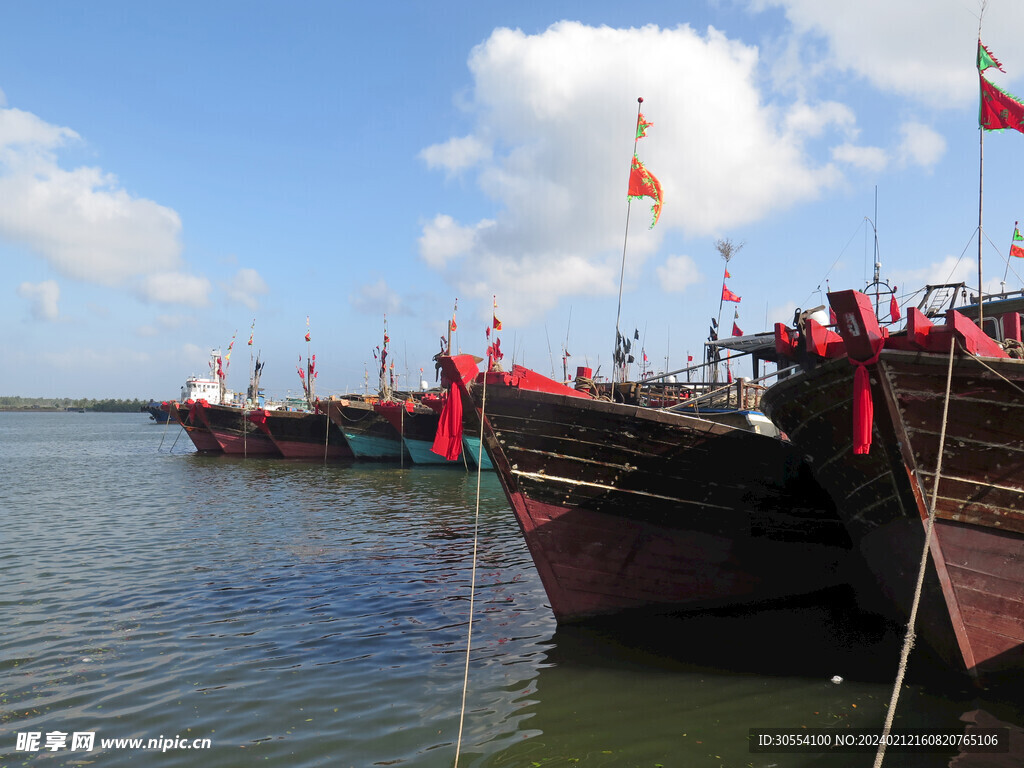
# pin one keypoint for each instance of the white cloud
(723, 155)
(174, 288)
(376, 298)
(456, 154)
(245, 287)
(80, 221)
(677, 274)
(42, 297)
(444, 239)
(920, 145)
(866, 158)
(903, 47)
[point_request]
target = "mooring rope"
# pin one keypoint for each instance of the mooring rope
(472, 582)
(908, 641)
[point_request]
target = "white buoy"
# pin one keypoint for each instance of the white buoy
(837, 679)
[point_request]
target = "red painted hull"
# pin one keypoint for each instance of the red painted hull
(195, 429)
(625, 507)
(233, 431)
(971, 614)
(299, 435)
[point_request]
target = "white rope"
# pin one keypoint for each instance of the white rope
(472, 585)
(908, 641)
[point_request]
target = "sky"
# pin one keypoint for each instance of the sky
(175, 176)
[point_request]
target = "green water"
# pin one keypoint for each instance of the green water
(309, 615)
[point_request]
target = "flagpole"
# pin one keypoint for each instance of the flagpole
(981, 195)
(625, 240)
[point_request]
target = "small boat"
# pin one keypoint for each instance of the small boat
(628, 507)
(157, 411)
(885, 417)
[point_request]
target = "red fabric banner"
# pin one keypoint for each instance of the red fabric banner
(999, 109)
(448, 439)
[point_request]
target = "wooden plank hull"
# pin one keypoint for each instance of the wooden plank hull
(234, 432)
(972, 610)
(297, 435)
(368, 434)
(194, 427)
(625, 507)
(416, 428)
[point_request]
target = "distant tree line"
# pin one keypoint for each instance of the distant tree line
(110, 405)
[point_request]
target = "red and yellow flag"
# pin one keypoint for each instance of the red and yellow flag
(643, 183)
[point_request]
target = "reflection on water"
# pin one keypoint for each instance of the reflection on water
(308, 614)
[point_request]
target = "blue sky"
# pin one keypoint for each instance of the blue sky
(170, 174)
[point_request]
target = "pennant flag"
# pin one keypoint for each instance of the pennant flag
(451, 324)
(728, 295)
(496, 323)
(642, 183)
(1016, 232)
(1016, 250)
(727, 275)
(999, 109)
(636, 334)
(644, 351)
(689, 358)
(894, 306)
(307, 335)
(986, 59)
(641, 125)
(252, 330)
(735, 328)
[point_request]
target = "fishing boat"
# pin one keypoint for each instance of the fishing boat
(898, 423)
(157, 411)
(416, 425)
(185, 415)
(471, 448)
(302, 434)
(628, 507)
(369, 435)
(233, 431)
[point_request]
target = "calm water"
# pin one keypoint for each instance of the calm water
(308, 615)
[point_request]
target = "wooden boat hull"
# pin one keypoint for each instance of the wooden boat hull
(234, 432)
(368, 434)
(298, 435)
(972, 605)
(624, 507)
(202, 439)
(416, 428)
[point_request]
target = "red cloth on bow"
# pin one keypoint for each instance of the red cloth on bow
(448, 439)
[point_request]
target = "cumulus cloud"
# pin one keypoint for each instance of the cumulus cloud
(456, 154)
(80, 221)
(677, 273)
(174, 288)
(920, 145)
(866, 158)
(901, 48)
(42, 298)
(723, 155)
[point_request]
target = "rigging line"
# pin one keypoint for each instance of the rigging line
(908, 641)
(829, 270)
(472, 582)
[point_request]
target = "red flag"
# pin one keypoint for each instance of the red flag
(451, 324)
(497, 323)
(642, 183)
(728, 295)
(736, 329)
(689, 358)
(1016, 250)
(727, 275)
(831, 316)
(999, 109)
(894, 308)
(307, 335)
